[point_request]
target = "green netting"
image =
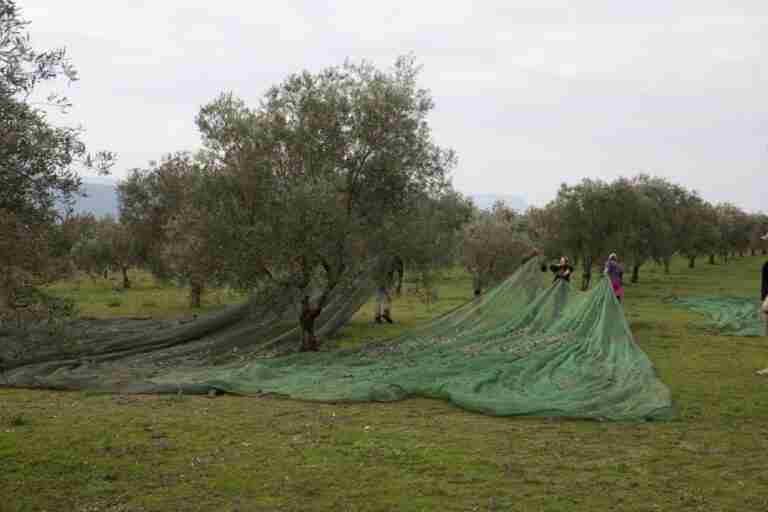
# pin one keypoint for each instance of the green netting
(728, 316)
(527, 347)
(518, 350)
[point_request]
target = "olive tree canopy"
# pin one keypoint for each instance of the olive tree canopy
(306, 187)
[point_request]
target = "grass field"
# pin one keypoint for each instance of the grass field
(104, 298)
(91, 452)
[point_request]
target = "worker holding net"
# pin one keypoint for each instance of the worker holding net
(764, 298)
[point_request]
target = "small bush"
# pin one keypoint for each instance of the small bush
(18, 421)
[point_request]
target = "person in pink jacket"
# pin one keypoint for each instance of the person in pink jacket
(615, 273)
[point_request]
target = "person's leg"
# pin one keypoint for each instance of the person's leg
(386, 306)
(765, 323)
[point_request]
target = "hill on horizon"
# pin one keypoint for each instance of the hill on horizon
(101, 200)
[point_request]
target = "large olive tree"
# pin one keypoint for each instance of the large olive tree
(307, 185)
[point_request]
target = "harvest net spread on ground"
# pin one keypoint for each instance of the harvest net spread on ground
(728, 316)
(526, 347)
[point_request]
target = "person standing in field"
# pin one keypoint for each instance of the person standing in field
(387, 282)
(764, 305)
(764, 298)
(562, 270)
(615, 272)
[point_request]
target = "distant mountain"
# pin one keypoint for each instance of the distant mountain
(486, 201)
(100, 199)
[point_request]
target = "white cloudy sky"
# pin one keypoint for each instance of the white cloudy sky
(530, 93)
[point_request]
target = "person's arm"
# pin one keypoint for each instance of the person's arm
(530, 257)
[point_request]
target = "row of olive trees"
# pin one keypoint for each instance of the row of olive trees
(644, 219)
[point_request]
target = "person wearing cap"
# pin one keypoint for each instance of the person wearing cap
(615, 273)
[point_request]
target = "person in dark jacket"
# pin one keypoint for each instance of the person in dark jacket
(764, 291)
(387, 282)
(562, 270)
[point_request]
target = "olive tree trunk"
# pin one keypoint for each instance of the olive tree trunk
(126, 281)
(477, 284)
(586, 278)
(195, 294)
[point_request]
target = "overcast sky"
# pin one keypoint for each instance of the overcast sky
(529, 93)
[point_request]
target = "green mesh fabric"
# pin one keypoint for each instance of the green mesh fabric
(728, 316)
(525, 348)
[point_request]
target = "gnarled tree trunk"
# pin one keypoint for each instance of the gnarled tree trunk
(477, 285)
(666, 265)
(4, 298)
(691, 261)
(126, 281)
(400, 269)
(586, 278)
(711, 259)
(635, 273)
(195, 294)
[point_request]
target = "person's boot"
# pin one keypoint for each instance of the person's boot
(388, 318)
(377, 319)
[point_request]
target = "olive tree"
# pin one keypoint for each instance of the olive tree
(700, 234)
(493, 245)
(187, 254)
(734, 227)
(163, 208)
(150, 198)
(38, 161)
(310, 180)
(109, 245)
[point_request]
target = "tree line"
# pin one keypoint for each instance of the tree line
(644, 219)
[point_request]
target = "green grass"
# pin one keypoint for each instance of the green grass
(104, 298)
(92, 452)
